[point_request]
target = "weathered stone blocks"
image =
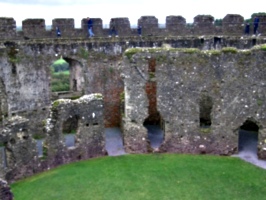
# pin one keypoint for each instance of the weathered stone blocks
(233, 25)
(233, 79)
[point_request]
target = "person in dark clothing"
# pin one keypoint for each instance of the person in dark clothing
(139, 30)
(90, 23)
(112, 28)
(58, 32)
(247, 28)
(256, 25)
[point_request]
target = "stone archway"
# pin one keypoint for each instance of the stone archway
(248, 138)
(68, 83)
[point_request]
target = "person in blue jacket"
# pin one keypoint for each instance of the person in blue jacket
(247, 27)
(58, 32)
(139, 30)
(90, 23)
(256, 25)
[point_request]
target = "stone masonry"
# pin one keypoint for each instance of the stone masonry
(232, 24)
(233, 79)
(175, 72)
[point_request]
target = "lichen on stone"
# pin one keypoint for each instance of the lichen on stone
(212, 52)
(205, 130)
(130, 52)
(229, 50)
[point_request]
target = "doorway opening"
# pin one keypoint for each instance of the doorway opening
(70, 128)
(66, 76)
(154, 122)
(205, 105)
(248, 138)
(60, 76)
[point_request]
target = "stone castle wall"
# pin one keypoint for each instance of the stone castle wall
(232, 24)
(186, 69)
(234, 80)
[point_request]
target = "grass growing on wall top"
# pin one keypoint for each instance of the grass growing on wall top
(153, 176)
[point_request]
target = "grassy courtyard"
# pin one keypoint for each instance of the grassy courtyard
(152, 177)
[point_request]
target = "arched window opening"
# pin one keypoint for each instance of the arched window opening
(39, 144)
(248, 138)
(60, 76)
(70, 128)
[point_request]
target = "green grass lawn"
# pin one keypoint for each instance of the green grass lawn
(152, 176)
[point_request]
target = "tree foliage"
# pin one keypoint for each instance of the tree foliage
(60, 65)
(60, 82)
(60, 76)
(218, 22)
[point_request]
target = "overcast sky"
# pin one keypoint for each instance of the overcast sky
(133, 9)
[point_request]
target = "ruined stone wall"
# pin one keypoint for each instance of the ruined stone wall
(94, 64)
(233, 79)
(182, 77)
(175, 26)
(21, 155)
(106, 80)
(5, 192)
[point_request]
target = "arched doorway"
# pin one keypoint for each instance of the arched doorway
(67, 79)
(60, 76)
(248, 138)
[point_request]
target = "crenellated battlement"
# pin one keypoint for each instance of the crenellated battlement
(232, 24)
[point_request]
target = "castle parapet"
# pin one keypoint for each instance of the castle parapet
(66, 26)
(203, 25)
(176, 25)
(233, 24)
(149, 25)
(262, 23)
(122, 26)
(33, 27)
(7, 28)
(97, 27)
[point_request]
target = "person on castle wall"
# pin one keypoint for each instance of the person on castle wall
(247, 28)
(113, 28)
(58, 32)
(256, 25)
(90, 24)
(139, 30)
